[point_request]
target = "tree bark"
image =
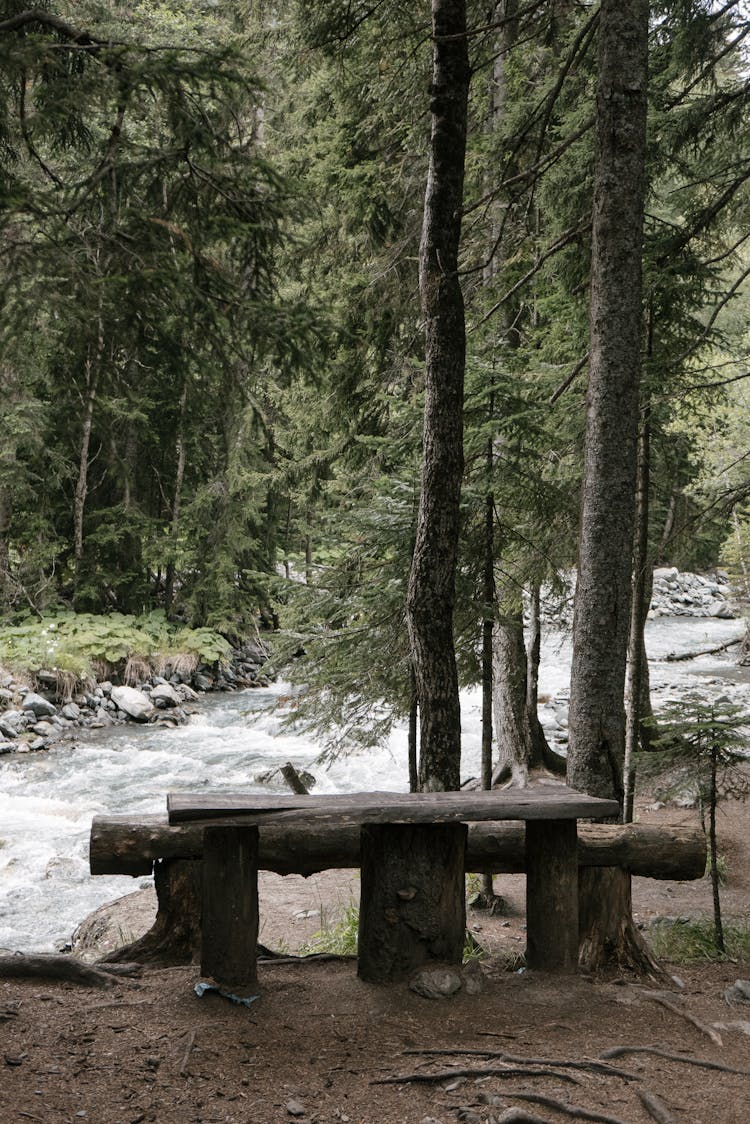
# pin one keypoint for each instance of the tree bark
(602, 605)
(636, 647)
(509, 697)
(174, 524)
(542, 756)
(431, 590)
(603, 592)
(175, 936)
(79, 502)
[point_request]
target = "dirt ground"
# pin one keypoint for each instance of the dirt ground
(317, 1044)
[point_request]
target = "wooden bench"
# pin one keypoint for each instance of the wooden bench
(138, 845)
(412, 855)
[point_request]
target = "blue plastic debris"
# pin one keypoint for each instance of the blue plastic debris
(202, 989)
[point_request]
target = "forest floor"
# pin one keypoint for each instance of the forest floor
(318, 1042)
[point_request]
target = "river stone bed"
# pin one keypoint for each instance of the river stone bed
(34, 717)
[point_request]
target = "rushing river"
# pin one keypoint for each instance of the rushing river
(47, 800)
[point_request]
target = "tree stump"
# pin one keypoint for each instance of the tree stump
(230, 907)
(412, 899)
(175, 936)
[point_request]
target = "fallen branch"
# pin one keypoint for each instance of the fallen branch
(655, 1107)
(656, 1051)
(678, 657)
(491, 1071)
(594, 1066)
(54, 968)
(709, 1031)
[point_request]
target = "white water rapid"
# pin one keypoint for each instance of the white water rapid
(47, 800)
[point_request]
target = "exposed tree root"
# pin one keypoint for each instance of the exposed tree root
(54, 968)
(655, 1107)
(709, 1031)
(514, 1059)
(656, 1051)
(572, 1110)
(489, 1071)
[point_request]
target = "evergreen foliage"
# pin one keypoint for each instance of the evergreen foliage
(211, 353)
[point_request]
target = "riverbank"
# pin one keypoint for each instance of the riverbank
(41, 708)
(318, 1042)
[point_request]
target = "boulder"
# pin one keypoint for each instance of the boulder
(132, 702)
(71, 711)
(12, 723)
(164, 694)
(40, 707)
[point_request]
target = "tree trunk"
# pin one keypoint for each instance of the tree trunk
(488, 890)
(509, 696)
(603, 592)
(413, 735)
(79, 502)
(6, 512)
(713, 851)
(174, 523)
(608, 939)
(541, 754)
(431, 591)
(638, 612)
(175, 936)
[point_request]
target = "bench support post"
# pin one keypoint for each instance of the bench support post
(552, 895)
(229, 933)
(412, 902)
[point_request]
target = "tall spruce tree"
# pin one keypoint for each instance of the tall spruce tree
(431, 593)
(602, 607)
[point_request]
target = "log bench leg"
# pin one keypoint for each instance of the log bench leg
(229, 932)
(552, 895)
(412, 898)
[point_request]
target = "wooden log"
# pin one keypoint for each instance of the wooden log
(131, 844)
(551, 896)
(545, 802)
(294, 780)
(412, 898)
(229, 931)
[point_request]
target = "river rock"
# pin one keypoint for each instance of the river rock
(164, 694)
(12, 723)
(6, 696)
(71, 711)
(44, 729)
(40, 707)
(7, 747)
(136, 704)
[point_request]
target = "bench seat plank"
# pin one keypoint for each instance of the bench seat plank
(552, 802)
